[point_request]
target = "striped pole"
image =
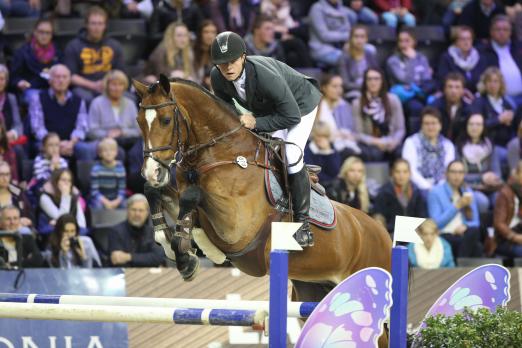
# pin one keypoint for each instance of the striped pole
(295, 309)
(132, 314)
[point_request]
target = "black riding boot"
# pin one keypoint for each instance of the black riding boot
(300, 190)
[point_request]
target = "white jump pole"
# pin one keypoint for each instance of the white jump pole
(295, 309)
(132, 314)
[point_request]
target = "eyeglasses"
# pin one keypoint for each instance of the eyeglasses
(453, 171)
(374, 78)
(44, 32)
(5, 174)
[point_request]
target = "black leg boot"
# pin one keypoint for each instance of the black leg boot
(300, 190)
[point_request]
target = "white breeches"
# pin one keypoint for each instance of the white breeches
(298, 135)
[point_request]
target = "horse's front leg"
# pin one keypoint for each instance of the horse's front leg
(177, 244)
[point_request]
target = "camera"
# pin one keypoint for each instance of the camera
(74, 242)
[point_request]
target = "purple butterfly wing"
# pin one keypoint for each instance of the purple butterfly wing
(484, 287)
(352, 314)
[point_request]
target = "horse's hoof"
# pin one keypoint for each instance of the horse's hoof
(189, 268)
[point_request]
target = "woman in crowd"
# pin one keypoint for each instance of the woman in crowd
(173, 56)
(113, 115)
(31, 62)
(357, 57)
(319, 151)
(434, 253)
(410, 76)
(238, 15)
(399, 196)
(478, 153)
(60, 197)
(204, 38)
(68, 248)
(428, 151)
(350, 186)
(378, 118)
(497, 108)
(11, 194)
(462, 57)
(336, 113)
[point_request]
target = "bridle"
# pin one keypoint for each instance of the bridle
(184, 149)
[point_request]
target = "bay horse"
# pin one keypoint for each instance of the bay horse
(185, 125)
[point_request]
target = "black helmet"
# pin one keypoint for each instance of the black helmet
(227, 47)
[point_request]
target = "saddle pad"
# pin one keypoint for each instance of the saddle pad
(322, 212)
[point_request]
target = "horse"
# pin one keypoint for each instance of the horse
(183, 124)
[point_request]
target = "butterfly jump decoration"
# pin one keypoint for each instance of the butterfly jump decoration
(352, 314)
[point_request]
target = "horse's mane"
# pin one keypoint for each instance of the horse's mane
(224, 105)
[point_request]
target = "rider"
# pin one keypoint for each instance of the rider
(282, 101)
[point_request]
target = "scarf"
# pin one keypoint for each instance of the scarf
(404, 196)
(475, 154)
(465, 63)
(432, 258)
(432, 158)
(43, 54)
(496, 103)
(377, 114)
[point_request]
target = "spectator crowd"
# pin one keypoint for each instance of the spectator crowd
(427, 91)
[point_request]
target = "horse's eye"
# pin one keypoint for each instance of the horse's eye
(165, 121)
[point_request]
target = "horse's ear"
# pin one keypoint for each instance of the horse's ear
(164, 83)
(141, 88)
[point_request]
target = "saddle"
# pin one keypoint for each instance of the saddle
(322, 212)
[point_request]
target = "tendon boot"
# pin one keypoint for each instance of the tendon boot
(300, 190)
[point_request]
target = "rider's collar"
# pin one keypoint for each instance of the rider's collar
(241, 78)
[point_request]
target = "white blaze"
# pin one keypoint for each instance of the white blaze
(151, 167)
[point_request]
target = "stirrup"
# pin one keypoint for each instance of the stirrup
(304, 236)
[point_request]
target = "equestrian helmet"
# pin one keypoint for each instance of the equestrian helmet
(227, 47)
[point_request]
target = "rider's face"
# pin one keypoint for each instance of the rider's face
(232, 70)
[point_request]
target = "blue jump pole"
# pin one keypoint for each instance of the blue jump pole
(399, 310)
(278, 298)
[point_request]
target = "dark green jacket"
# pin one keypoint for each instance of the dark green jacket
(277, 95)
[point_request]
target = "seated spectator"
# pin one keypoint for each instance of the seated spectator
(336, 113)
(168, 12)
(434, 253)
(350, 186)
(363, 14)
(173, 54)
(59, 196)
(453, 12)
(505, 54)
(329, 30)
(478, 154)
(204, 38)
(514, 148)
(136, 9)
(399, 196)
(281, 13)
(262, 41)
(111, 115)
(410, 76)
(357, 57)
(12, 127)
(21, 8)
(238, 15)
(48, 160)
(320, 151)
(8, 153)
(11, 194)
(496, 109)
(91, 55)
(477, 14)
(70, 250)
(453, 106)
(108, 178)
(378, 118)
(31, 62)
(463, 58)
(60, 111)
(22, 251)
(428, 151)
(394, 12)
(507, 219)
(132, 244)
(453, 207)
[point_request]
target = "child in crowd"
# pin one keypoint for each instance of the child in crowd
(49, 160)
(108, 178)
(434, 253)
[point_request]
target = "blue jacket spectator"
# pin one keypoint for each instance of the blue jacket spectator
(329, 30)
(434, 253)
